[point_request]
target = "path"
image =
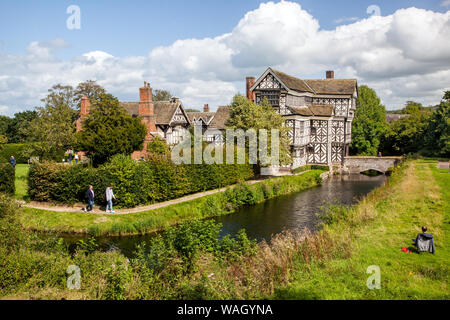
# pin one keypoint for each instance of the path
(78, 207)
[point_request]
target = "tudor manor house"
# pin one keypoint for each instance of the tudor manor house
(318, 111)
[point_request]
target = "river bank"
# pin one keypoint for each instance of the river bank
(372, 234)
(149, 221)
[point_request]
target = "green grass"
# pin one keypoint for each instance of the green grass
(21, 181)
(375, 230)
(157, 219)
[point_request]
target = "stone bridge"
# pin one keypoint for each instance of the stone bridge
(360, 164)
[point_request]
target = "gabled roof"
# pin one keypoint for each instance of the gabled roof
(164, 110)
(315, 86)
(291, 82)
(220, 118)
(205, 116)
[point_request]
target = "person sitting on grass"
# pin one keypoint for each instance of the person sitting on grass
(109, 197)
(424, 241)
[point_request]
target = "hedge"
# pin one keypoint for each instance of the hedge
(7, 179)
(13, 149)
(135, 182)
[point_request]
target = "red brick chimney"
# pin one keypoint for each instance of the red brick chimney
(330, 74)
(147, 115)
(249, 82)
(84, 111)
(206, 108)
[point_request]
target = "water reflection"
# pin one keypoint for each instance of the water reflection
(297, 211)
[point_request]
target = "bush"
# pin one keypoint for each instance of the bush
(135, 182)
(7, 179)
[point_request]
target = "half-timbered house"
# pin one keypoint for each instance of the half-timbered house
(319, 113)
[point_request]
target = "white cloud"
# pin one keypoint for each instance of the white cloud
(445, 3)
(404, 56)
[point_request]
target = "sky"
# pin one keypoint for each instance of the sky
(202, 50)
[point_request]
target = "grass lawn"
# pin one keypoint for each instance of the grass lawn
(374, 232)
(21, 181)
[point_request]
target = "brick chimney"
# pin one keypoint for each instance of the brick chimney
(330, 74)
(249, 82)
(146, 113)
(84, 111)
(206, 108)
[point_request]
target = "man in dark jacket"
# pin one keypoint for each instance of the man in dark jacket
(13, 161)
(90, 196)
(424, 242)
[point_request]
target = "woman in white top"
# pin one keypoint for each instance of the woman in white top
(109, 196)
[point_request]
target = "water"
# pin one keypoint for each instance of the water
(261, 221)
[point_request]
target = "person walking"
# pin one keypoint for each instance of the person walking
(90, 196)
(76, 158)
(70, 156)
(109, 196)
(13, 161)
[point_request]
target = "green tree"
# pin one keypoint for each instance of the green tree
(3, 140)
(5, 123)
(18, 128)
(437, 135)
(369, 123)
(245, 115)
(110, 130)
(60, 95)
(90, 89)
(51, 132)
(161, 95)
(158, 146)
(406, 135)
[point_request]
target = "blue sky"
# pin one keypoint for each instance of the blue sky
(118, 30)
(124, 28)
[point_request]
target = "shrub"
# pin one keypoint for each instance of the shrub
(135, 182)
(7, 178)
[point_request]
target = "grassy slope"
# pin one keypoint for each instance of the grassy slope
(146, 221)
(21, 181)
(383, 223)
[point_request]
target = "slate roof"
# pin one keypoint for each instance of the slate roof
(220, 118)
(163, 110)
(317, 86)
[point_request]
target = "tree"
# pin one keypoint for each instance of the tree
(60, 95)
(18, 128)
(369, 123)
(158, 146)
(3, 140)
(406, 135)
(110, 130)
(245, 115)
(161, 95)
(90, 89)
(5, 123)
(437, 135)
(51, 132)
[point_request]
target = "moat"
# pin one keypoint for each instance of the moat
(261, 221)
